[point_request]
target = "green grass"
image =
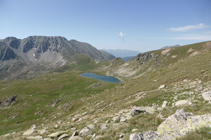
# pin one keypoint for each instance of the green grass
(34, 96)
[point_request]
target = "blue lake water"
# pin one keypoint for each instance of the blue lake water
(109, 79)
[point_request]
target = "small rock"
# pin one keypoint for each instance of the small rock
(128, 116)
(121, 135)
(6, 135)
(123, 119)
(34, 138)
(56, 126)
(116, 119)
(30, 131)
(206, 96)
(102, 126)
(75, 138)
(136, 111)
(96, 120)
(63, 136)
(74, 129)
(56, 134)
(183, 103)
(43, 131)
(164, 104)
(115, 125)
(85, 131)
(93, 136)
(99, 137)
(154, 106)
(135, 136)
(108, 121)
(75, 134)
(91, 126)
(162, 86)
(134, 130)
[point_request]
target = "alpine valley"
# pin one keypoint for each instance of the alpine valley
(164, 94)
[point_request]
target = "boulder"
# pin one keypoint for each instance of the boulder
(174, 122)
(206, 96)
(183, 103)
(176, 125)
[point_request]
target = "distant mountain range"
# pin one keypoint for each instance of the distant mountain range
(20, 55)
(166, 47)
(122, 53)
(126, 55)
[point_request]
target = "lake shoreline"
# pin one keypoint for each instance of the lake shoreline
(108, 79)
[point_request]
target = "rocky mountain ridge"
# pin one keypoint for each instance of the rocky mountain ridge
(50, 52)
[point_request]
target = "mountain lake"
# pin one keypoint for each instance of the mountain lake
(109, 79)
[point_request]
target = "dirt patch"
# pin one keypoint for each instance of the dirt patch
(205, 47)
(190, 50)
(173, 56)
(195, 53)
(165, 51)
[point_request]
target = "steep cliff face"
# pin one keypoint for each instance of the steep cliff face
(6, 53)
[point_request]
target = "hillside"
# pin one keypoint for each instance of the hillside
(18, 57)
(164, 94)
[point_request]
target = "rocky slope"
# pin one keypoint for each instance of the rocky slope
(164, 94)
(47, 52)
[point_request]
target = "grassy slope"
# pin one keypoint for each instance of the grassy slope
(34, 96)
(103, 102)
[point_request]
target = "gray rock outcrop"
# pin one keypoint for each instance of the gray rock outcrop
(177, 125)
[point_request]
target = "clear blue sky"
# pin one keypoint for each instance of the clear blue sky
(141, 25)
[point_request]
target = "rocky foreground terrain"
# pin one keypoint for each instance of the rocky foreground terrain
(164, 95)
